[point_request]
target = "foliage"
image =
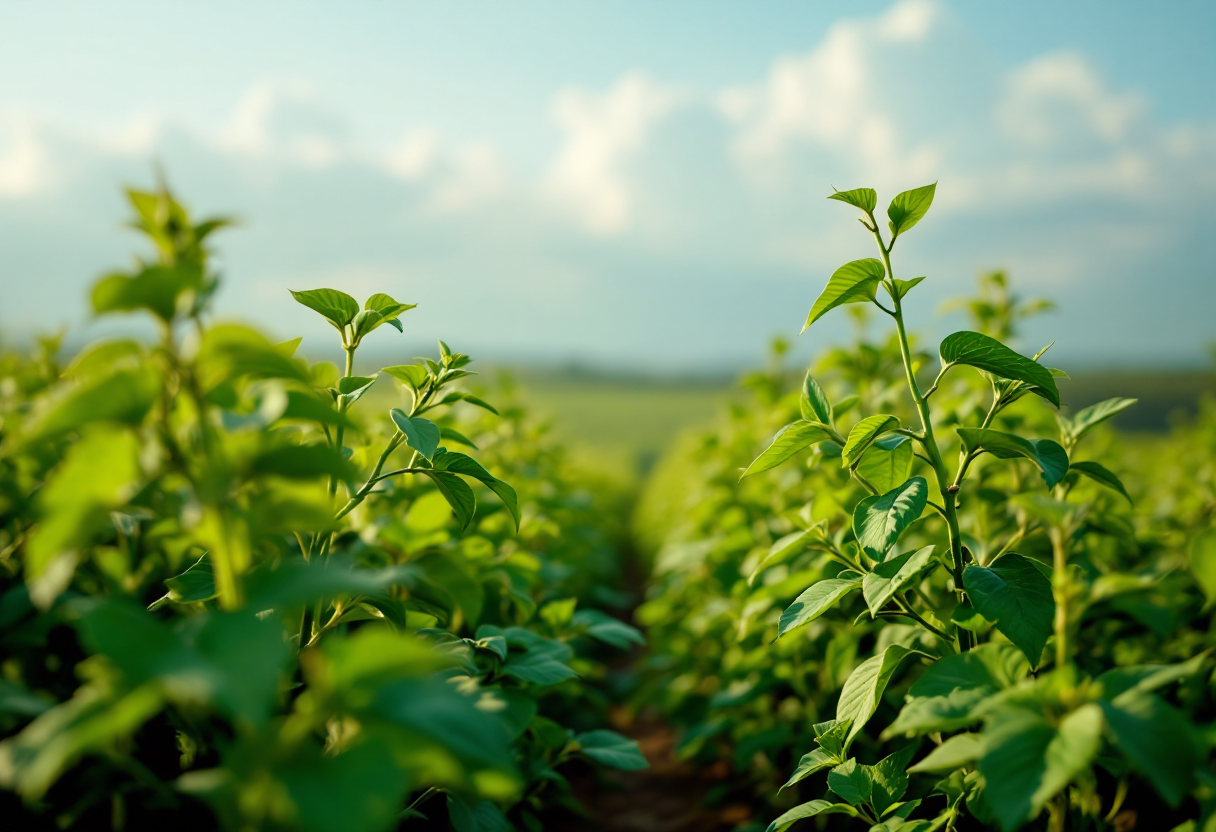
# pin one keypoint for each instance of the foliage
(990, 641)
(220, 587)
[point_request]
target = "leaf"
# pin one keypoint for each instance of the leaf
(388, 308)
(954, 753)
(907, 209)
(862, 436)
(902, 287)
(850, 781)
(854, 282)
(194, 585)
(611, 749)
(302, 462)
(458, 463)
(879, 520)
(1027, 760)
(457, 493)
(986, 353)
(603, 627)
(1015, 596)
(358, 790)
(887, 463)
(814, 402)
(456, 436)
(1148, 677)
(890, 778)
(863, 689)
(1201, 557)
(791, 439)
(476, 402)
(989, 667)
(1157, 740)
(811, 763)
(306, 407)
(337, 307)
(791, 544)
(1048, 455)
(420, 434)
(413, 376)
(543, 663)
(815, 601)
(482, 816)
(864, 198)
(1090, 417)
(893, 576)
(810, 810)
(1101, 475)
(123, 398)
(155, 288)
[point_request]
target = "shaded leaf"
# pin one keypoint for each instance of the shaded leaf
(1048, 455)
(1015, 596)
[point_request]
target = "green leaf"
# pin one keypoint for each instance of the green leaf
(863, 434)
(123, 398)
(890, 778)
(1015, 596)
(850, 781)
(893, 576)
(482, 816)
(1148, 677)
(902, 287)
(887, 463)
(305, 407)
(155, 288)
(1048, 455)
(986, 353)
(791, 439)
(792, 544)
(864, 198)
(907, 209)
(1101, 475)
(810, 810)
(458, 494)
(476, 402)
(603, 627)
(456, 436)
(814, 402)
(388, 308)
(1094, 415)
(543, 663)
(302, 462)
(337, 307)
(1027, 760)
(1157, 740)
(879, 520)
(988, 667)
(16, 700)
(811, 763)
(815, 601)
(458, 463)
(194, 585)
(863, 689)
(358, 790)
(612, 750)
(420, 434)
(413, 376)
(854, 282)
(1201, 556)
(954, 753)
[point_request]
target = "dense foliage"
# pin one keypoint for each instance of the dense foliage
(230, 596)
(929, 603)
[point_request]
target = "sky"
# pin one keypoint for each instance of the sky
(628, 185)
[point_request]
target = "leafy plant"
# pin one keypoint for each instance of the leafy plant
(221, 588)
(1021, 723)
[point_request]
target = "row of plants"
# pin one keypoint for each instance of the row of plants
(936, 598)
(234, 591)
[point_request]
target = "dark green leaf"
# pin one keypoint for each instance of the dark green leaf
(456, 436)
(458, 494)
(482, 816)
(1048, 455)
(1157, 740)
(302, 462)
(543, 663)
(986, 353)
(1101, 475)
(863, 434)
(879, 520)
(907, 209)
(890, 778)
(1148, 677)
(894, 576)
(1015, 596)
(458, 463)
(864, 198)
(611, 749)
(850, 781)
(854, 282)
(306, 407)
(791, 439)
(192, 586)
(420, 434)
(358, 790)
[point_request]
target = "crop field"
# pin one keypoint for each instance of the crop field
(901, 590)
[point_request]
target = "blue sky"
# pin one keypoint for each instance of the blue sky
(627, 184)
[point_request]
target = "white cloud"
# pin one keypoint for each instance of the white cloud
(601, 131)
(23, 159)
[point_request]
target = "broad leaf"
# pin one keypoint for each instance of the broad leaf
(420, 434)
(863, 435)
(1027, 760)
(907, 209)
(1101, 475)
(864, 198)
(814, 402)
(893, 576)
(954, 753)
(986, 353)
(611, 749)
(854, 282)
(815, 601)
(879, 520)
(458, 494)
(413, 376)
(1157, 740)
(458, 463)
(811, 763)
(864, 688)
(890, 778)
(337, 307)
(887, 463)
(850, 781)
(1015, 596)
(1048, 455)
(789, 440)
(810, 810)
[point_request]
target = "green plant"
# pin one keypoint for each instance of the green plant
(1006, 578)
(221, 587)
